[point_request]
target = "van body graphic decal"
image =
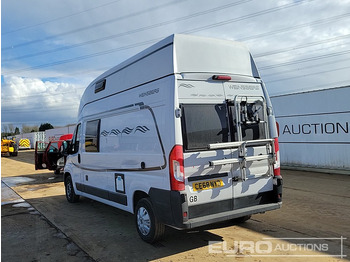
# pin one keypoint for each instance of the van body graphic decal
(115, 132)
(126, 130)
(104, 133)
(186, 85)
(142, 129)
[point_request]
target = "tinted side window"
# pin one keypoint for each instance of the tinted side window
(91, 136)
(100, 85)
(203, 125)
(76, 139)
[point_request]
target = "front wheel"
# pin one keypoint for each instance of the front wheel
(70, 193)
(148, 227)
(14, 153)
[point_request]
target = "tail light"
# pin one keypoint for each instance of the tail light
(277, 165)
(221, 77)
(176, 166)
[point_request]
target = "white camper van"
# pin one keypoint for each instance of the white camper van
(182, 134)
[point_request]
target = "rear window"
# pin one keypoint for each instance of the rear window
(203, 125)
(253, 131)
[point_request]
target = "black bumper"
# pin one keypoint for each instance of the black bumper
(170, 207)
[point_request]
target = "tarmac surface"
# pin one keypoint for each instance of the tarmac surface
(38, 224)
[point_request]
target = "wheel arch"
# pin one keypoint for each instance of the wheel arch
(65, 175)
(138, 195)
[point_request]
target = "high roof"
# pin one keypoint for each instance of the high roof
(176, 54)
(199, 54)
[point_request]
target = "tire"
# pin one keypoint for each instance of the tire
(57, 171)
(15, 150)
(70, 194)
(13, 153)
(147, 225)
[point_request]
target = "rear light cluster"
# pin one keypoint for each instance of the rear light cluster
(176, 166)
(277, 165)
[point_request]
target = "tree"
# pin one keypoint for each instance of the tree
(5, 128)
(45, 126)
(28, 129)
(16, 130)
(11, 128)
(8, 130)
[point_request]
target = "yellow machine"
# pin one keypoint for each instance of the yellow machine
(9, 146)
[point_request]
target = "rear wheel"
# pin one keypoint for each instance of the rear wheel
(70, 193)
(148, 227)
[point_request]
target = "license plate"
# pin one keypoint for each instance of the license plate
(207, 185)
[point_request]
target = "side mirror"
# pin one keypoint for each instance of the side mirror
(65, 148)
(72, 148)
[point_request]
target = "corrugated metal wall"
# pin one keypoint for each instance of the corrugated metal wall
(315, 128)
(33, 137)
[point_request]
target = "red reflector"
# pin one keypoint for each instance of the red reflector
(277, 147)
(221, 77)
(277, 171)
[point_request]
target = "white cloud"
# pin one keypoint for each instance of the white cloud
(57, 82)
(34, 100)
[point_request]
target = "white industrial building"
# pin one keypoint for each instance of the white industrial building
(48, 135)
(56, 133)
(314, 128)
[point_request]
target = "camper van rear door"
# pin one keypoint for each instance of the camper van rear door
(204, 124)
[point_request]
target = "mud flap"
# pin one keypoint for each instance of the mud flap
(277, 188)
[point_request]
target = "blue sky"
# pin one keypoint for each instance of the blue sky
(51, 50)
